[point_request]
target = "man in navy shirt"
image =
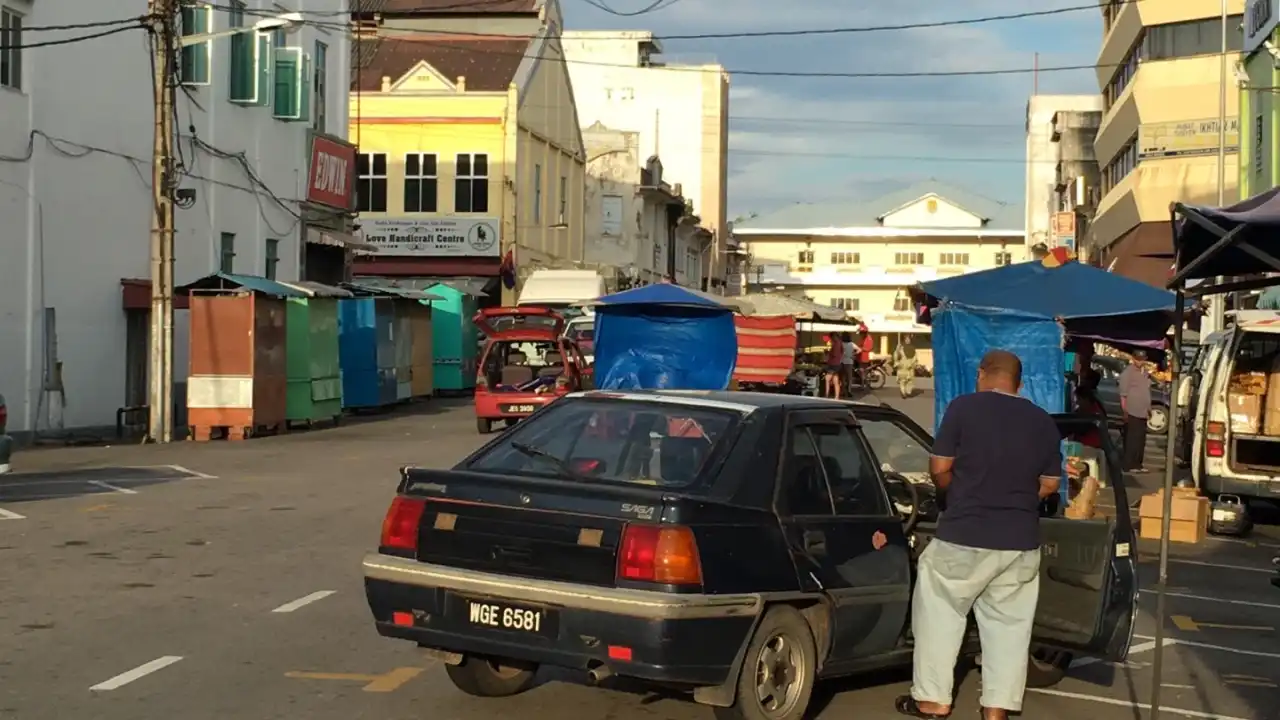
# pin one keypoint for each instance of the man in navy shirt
(995, 458)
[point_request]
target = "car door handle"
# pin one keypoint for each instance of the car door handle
(815, 542)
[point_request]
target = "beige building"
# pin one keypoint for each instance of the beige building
(863, 257)
(1160, 75)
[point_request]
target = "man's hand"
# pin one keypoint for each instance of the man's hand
(940, 471)
(1049, 486)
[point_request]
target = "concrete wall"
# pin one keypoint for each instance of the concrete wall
(1042, 158)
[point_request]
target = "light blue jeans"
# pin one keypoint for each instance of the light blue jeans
(1002, 588)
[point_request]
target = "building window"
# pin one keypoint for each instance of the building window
(806, 257)
(1123, 164)
(908, 258)
(227, 253)
(10, 49)
(1004, 258)
(953, 258)
(611, 215)
(1123, 74)
(371, 190)
(845, 303)
(902, 303)
(846, 258)
(471, 183)
(321, 91)
(537, 194)
(272, 258)
(1258, 157)
(420, 182)
(196, 59)
(564, 199)
(1187, 39)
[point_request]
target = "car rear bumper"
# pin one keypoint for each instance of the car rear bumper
(683, 639)
(496, 406)
(1244, 487)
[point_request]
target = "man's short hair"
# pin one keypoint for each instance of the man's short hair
(1001, 362)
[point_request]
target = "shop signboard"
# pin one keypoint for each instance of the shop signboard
(1185, 138)
(331, 174)
(433, 237)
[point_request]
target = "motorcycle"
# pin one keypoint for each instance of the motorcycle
(874, 374)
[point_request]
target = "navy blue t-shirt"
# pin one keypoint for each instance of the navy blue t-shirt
(1002, 445)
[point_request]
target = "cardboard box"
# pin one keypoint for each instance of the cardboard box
(1248, 383)
(1271, 411)
(1190, 516)
(1245, 412)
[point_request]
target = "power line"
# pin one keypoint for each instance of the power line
(72, 40)
(85, 25)
(654, 6)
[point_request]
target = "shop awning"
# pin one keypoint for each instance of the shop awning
(1145, 254)
(1241, 239)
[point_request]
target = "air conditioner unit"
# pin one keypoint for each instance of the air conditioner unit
(1082, 194)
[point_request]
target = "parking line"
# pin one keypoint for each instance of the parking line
(6, 515)
(1134, 705)
(1150, 559)
(189, 471)
(139, 672)
(304, 601)
(1224, 648)
(113, 488)
(1187, 596)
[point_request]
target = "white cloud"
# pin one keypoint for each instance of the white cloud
(832, 131)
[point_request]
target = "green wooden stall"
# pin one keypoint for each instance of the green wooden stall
(311, 351)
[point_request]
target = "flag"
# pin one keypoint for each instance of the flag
(507, 270)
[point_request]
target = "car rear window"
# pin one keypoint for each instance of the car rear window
(584, 334)
(644, 443)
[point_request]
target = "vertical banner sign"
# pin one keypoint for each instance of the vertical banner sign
(332, 173)
(1064, 230)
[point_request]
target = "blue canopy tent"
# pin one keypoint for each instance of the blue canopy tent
(1030, 308)
(664, 336)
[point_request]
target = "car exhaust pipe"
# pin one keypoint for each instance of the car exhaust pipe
(599, 674)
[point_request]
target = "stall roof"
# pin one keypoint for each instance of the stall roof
(1253, 223)
(374, 289)
(315, 289)
(664, 294)
(253, 283)
(1073, 290)
(778, 304)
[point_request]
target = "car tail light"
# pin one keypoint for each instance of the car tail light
(482, 383)
(1215, 444)
(400, 526)
(663, 554)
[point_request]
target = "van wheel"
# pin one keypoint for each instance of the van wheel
(1047, 668)
(778, 672)
(490, 678)
(485, 426)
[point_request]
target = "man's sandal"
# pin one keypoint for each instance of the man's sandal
(907, 705)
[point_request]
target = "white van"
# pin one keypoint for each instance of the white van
(559, 289)
(1228, 455)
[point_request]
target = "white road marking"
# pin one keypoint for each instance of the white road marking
(189, 471)
(1246, 603)
(7, 515)
(304, 601)
(1241, 541)
(141, 671)
(1178, 686)
(113, 488)
(1133, 650)
(1134, 705)
(1221, 566)
(1224, 648)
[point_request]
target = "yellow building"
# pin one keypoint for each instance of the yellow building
(1160, 72)
(470, 150)
(862, 257)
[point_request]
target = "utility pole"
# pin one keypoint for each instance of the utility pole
(1218, 302)
(162, 17)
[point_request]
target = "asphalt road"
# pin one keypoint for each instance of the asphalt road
(223, 581)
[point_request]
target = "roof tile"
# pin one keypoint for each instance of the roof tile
(488, 64)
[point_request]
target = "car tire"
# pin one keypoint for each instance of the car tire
(488, 678)
(484, 426)
(1158, 420)
(1047, 668)
(782, 650)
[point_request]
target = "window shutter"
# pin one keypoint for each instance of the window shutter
(265, 69)
(196, 20)
(305, 74)
(288, 65)
(244, 68)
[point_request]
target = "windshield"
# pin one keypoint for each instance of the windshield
(644, 443)
(584, 334)
(503, 323)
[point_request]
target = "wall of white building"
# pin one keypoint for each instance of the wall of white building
(1042, 158)
(75, 213)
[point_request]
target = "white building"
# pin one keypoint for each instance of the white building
(635, 222)
(863, 258)
(75, 188)
(1042, 159)
(679, 112)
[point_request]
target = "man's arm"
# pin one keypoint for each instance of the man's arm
(1123, 383)
(945, 447)
(1051, 473)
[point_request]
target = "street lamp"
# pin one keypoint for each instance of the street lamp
(285, 21)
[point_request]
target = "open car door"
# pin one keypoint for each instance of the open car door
(1088, 572)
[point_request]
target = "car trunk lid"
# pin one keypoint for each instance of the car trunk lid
(540, 528)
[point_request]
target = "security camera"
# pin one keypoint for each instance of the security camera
(1242, 77)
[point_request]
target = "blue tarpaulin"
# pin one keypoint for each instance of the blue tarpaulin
(664, 337)
(961, 336)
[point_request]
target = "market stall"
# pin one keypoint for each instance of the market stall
(773, 332)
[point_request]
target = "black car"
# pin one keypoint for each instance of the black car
(1109, 369)
(718, 543)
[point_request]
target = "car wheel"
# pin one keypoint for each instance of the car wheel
(489, 678)
(484, 426)
(778, 671)
(875, 378)
(1047, 668)
(1158, 420)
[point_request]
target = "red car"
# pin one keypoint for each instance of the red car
(526, 363)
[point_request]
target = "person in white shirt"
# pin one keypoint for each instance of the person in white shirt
(848, 359)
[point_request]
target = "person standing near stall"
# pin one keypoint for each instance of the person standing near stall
(831, 369)
(1135, 400)
(904, 364)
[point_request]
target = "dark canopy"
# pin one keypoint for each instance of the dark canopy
(1257, 225)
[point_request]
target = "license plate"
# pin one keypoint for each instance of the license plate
(525, 409)
(500, 616)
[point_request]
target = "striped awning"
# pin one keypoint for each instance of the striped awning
(766, 348)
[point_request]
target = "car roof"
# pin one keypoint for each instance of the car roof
(744, 402)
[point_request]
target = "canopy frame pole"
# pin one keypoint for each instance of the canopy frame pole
(1225, 240)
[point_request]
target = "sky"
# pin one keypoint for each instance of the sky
(817, 139)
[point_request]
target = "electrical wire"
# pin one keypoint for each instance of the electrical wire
(85, 25)
(654, 6)
(73, 40)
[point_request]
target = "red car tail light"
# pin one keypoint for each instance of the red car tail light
(400, 526)
(662, 554)
(1215, 439)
